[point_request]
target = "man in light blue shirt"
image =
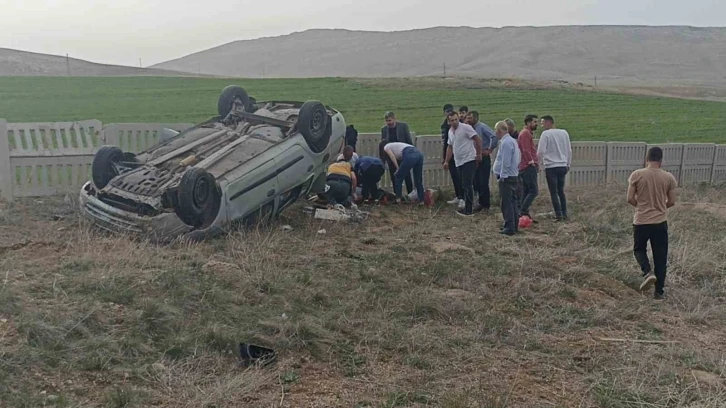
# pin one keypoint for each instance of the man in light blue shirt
(483, 171)
(506, 168)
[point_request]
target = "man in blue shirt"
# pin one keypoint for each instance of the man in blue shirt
(368, 171)
(506, 168)
(481, 177)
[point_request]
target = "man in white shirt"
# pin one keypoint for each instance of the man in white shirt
(465, 147)
(555, 154)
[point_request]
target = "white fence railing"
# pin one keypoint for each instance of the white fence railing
(38, 159)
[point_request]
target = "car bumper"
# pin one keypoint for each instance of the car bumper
(161, 227)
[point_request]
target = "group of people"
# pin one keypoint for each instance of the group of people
(468, 145)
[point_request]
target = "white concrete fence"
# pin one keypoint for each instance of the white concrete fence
(40, 159)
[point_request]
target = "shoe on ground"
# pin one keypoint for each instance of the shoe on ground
(463, 213)
(659, 296)
(507, 233)
(454, 201)
(648, 282)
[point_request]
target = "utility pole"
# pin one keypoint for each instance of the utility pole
(444, 70)
(595, 81)
(68, 65)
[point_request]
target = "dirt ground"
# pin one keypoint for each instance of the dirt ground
(413, 307)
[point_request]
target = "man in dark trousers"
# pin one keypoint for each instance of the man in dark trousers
(369, 170)
(484, 170)
(529, 165)
(465, 148)
(397, 131)
(652, 191)
(506, 168)
(455, 179)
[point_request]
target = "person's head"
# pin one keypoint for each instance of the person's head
(463, 111)
(548, 122)
(448, 108)
(348, 153)
(530, 122)
(501, 129)
(453, 119)
(390, 118)
(655, 156)
(511, 126)
(472, 118)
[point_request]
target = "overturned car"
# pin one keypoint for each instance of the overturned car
(241, 167)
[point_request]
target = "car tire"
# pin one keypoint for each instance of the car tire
(103, 168)
(227, 98)
(197, 197)
(315, 125)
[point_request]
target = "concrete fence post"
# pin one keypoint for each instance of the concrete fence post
(6, 174)
(683, 165)
(714, 166)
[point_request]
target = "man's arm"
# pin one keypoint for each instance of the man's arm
(392, 157)
(569, 153)
(407, 135)
(672, 193)
(541, 148)
(354, 181)
(477, 147)
(449, 154)
(632, 197)
(507, 152)
(384, 133)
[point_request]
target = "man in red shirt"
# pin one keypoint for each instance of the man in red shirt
(528, 166)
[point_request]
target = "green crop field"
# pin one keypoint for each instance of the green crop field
(587, 115)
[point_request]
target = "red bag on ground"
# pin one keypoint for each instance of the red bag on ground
(525, 222)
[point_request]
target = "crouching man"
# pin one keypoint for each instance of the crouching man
(340, 182)
(368, 171)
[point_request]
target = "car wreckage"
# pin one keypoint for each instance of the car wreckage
(239, 168)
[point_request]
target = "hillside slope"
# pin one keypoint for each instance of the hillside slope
(23, 63)
(576, 53)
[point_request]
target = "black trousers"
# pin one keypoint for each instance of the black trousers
(408, 180)
(455, 179)
(556, 185)
(369, 180)
(530, 190)
(481, 181)
(657, 234)
(508, 193)
(466, 173)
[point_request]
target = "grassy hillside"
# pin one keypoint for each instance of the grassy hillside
(415, 307)
(587, 115)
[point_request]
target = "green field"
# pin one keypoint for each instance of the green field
(586, 115)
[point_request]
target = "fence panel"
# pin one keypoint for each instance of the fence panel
(719, 165)
(6, 179)
(698, 163)
(42, 176)
(53, 138)
(138, 137)
(623, 159)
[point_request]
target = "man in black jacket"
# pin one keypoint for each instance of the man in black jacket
(397, 131)
(455, 179)
(351, 136)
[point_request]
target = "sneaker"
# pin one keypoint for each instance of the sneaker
(463, 213)
(507, 233)
(479, 209)
(649, 281)
(454, 201)
(659, 296)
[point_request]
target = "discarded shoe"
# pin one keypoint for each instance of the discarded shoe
(251, 354)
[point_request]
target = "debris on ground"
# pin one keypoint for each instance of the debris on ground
(340, 213)
(322, 232)
(441, 247)
(286, 228)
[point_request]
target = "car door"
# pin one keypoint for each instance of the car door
(251, 196)
(296, 173)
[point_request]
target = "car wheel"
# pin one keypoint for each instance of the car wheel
(197, 198)
(315, 125)
(228, 97)
(105, 165)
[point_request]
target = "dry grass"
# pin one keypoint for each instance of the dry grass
(364, 315)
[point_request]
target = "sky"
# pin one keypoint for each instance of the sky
(126, 31)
